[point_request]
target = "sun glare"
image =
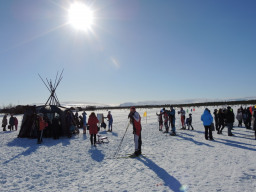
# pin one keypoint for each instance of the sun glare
(80, 16)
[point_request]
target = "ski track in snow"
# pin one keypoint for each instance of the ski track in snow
(186, 162)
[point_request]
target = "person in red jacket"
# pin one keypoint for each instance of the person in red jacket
(42, 124)
(135, 120)
(93, 128)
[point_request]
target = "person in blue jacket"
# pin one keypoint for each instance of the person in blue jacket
(207, 121)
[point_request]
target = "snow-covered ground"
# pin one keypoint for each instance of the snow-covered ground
(186, 162)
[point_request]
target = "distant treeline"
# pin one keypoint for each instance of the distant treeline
(20, 109)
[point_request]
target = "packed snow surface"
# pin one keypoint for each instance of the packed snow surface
(186, 162)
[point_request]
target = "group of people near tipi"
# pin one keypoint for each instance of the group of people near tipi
(13, 123)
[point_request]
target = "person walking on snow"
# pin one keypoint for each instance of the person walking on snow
(93, 128)
(135, 119)
(189, 123)
(207, 121)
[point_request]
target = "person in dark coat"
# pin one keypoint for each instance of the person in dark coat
(93, 130)
(172, 120)
(230, 119)
(254, 121)
(207, 121)
(189, 122)
(216, 119)
(221, 121)
(4, 122)
(56, 127)
(11, 122)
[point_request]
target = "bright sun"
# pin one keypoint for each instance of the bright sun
(80, 16)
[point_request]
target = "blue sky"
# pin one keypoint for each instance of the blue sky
(136, 50)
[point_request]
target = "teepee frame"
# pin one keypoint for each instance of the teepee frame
(53, 99)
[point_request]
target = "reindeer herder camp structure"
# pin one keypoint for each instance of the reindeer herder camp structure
(53, 112)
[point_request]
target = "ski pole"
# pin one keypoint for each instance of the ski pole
(118, 149)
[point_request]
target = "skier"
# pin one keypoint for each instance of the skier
(4, 122)
(189, 122)
(172, 120)
(93, 130)
(207, 121)
(135, 119)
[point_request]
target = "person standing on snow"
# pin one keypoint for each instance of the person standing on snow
(135, 119)
(42, 124)
(230, 119)
(4, 122)
(254, 121)
(166, 120)
(110, 121)
(93, 128)
(207, 121)
(239, 117)
(16, 123)
(11, 122)
(172, 120)
(84, 122)
(182, 117)
(160, 120)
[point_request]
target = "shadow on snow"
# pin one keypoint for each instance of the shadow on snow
(168, 180)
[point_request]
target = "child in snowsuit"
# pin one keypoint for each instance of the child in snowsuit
(189, 122)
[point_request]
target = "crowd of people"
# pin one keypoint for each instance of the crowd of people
(223, 117)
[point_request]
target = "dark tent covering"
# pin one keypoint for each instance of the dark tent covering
(54, 115)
